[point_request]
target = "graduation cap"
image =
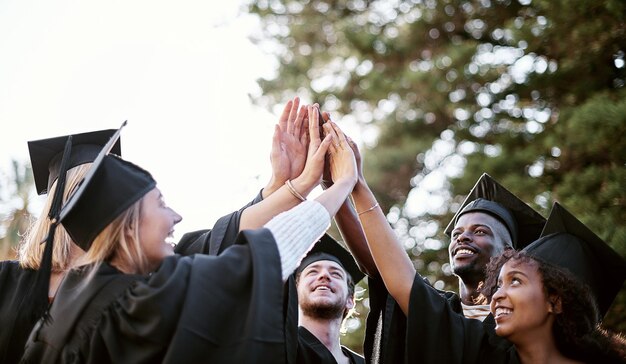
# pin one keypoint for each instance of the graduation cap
(328, 248)
(488, 196)
(110, 186)
(568, 243)
(46, 154)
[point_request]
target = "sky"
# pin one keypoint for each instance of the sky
(179, 71)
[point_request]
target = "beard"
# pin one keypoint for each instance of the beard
(323, 311)
(470, 271)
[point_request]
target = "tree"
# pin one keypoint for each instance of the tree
(529, 91)
(15, 196)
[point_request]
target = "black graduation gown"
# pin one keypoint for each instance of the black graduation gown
(15, 323)
(313, 351)
(388, 339)
(385, 326)
(437, 333)
(196, 309)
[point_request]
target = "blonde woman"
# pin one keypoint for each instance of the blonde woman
(190, 309)
(25, 291)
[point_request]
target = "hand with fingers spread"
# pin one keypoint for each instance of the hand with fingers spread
(289, 145)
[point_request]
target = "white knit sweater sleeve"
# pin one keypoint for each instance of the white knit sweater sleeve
(295, 232)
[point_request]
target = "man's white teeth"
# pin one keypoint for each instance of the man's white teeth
(464, 251)
(322, 288)
(500, 311)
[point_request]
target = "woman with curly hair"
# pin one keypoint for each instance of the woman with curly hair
(547, 313)
(549, 298)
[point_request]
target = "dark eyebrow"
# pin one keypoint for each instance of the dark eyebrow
(474, 226)
(514, 272)
(331, 268)
(481, 225)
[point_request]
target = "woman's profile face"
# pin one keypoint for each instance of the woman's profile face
(520, 305)
(156, 227)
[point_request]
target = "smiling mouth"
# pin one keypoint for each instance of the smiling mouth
(170, 239)
(464, 252)
(501, 312)
(322, 288)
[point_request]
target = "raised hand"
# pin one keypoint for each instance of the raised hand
(289, 146)
(357, 158)
(341, 159)
(317, 149)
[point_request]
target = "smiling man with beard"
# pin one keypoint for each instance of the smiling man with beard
(490, 220)
(325, 284)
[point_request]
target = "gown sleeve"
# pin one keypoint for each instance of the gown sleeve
(385, 328)
(233, 307)
(17, 310)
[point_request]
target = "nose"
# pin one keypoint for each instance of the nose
(498, 294)
(323, 274)
(177, 217)
(463, 236)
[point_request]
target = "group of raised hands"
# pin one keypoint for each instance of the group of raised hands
(308, 147)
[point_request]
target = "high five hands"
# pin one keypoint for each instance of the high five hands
(299, 151)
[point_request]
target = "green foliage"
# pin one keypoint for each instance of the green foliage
(529, 91)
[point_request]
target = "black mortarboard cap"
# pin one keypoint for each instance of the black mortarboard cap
(488, 196)
(568, 243)
(45, 154)
(110, 186)
(328, 248)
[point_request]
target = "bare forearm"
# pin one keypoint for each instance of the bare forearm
(333, 197)
(354, 236)
(391, 259)
(271, 187)
(281, 200)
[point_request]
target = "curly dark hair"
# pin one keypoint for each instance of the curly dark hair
(576, 329)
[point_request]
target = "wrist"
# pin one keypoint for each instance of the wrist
(361, 185)
(303, 185)
(326, 184)
(272, 186)
(348, 183)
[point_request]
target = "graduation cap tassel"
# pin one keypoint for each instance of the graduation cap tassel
(57, 199)
(41, 286)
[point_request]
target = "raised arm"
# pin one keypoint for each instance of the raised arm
(392, 261)
(289, 146)
(348, 222)
(296, 230)
(295, 191)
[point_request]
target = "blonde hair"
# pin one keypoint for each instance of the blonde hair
(31, 247)
(119, 244)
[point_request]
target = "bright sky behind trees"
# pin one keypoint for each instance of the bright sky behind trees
(180, 72)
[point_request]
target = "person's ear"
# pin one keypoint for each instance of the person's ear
(350, 302)
(555, 305)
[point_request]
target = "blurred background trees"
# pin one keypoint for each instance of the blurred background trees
(530, 91)
(15, 189)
